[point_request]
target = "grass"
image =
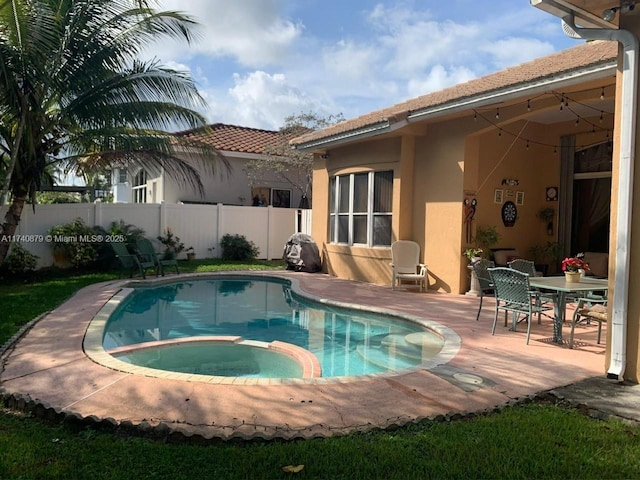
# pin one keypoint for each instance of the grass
(524, 441)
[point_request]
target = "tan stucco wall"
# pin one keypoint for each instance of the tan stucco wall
(438, 164)
(354, 263)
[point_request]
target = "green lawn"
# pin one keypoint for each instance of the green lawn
(525, 441)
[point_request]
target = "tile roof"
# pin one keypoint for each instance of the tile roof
(232, 138)
(573, 60)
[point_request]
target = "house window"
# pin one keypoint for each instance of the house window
(140, 187)
(281, 198)
(122, 175)
(360, 208)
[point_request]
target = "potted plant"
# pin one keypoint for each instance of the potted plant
(547, 215)
(191, 254)
(545, 255)
(486, 237)
(472, 254)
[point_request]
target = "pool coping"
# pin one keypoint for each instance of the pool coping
(44, 371)
(94, 349)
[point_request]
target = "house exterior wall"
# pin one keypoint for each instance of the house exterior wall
(437, 164)
(351, 262)
(229, 187)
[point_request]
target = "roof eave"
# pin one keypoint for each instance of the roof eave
(475, 101)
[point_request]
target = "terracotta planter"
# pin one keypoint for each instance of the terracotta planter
(191, 256)
(572, 277)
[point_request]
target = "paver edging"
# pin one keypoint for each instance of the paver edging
(178, 433)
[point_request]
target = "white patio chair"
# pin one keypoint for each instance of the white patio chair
(405, 262)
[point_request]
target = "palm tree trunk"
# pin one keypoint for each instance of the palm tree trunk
(10, 225)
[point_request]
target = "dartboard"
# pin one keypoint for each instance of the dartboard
(509, 214)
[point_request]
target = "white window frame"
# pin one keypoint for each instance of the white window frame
(335, 215)
(139, 189)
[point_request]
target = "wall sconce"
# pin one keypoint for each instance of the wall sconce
(610, 13)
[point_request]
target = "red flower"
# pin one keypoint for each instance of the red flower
(573, 264)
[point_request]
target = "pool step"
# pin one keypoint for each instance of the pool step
(379, 356)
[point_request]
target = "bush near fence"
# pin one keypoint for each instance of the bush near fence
(200, 226)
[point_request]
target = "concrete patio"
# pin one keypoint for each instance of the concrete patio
(46, 368)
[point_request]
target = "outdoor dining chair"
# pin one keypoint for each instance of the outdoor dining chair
(528, 267)
(485, 284)
(587, 309)
(514, 294)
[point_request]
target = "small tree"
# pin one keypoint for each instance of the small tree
(286, 164)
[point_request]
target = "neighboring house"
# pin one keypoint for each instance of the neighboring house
(494, 151)
(238, 145)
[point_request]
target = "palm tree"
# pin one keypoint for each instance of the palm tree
(73, 92)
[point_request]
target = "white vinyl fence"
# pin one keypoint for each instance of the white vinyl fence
(198, 226)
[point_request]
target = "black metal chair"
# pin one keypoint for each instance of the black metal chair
(514, 294)
(484, 279)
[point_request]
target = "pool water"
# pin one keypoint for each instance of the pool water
(346, 342)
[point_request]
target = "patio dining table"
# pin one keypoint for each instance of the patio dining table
(562, 288)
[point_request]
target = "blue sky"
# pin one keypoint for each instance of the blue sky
(258, 61)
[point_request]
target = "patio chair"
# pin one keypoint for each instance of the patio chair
(405, 262)
(589, 308)
(148, 254)
(484, 280)
(128, 262)
(514, 294)
(528, 267)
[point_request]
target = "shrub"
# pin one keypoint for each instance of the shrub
(76, 242)
(237, 247)
(20, 260)
(172, 244)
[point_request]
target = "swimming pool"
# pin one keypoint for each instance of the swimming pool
(191, 326)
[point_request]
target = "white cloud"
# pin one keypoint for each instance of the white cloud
(261, 100)
(253, 34)
(513, 51)
(437, 79)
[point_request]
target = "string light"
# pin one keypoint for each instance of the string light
(564, 103)
(602, 94)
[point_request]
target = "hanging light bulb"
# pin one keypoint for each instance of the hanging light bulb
(601, 116)
(497, 114)
(562, 102)
(527, 145)
(500, 133)
(555, 149)
(577, 121)
(528, 105)
(475, 115)
(602, 94)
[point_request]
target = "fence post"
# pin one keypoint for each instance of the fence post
(219, 225)
(163, 219)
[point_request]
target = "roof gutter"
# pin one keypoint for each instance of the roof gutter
(530, 88)
(627, 122)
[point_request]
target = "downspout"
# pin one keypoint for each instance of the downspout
(625, 185)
